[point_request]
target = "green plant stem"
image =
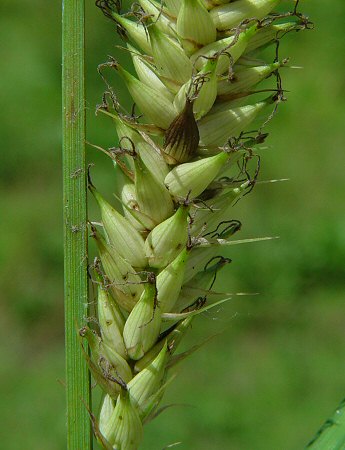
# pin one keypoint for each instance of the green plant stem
(75, 219)
(331, 435)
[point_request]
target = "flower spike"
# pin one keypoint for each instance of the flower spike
(185, 154)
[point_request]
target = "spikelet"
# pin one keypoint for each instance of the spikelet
(134, 31)
(230, 120)
(105, 414)
(156, 107)
(124, 283)
(144, 386)
(172, 63)
(148, 152)
(138, 219)
(244, 79)
(172, 339)
(147, 73)
(205, 90)
(167, 239)
(111, 322)
(194, 177)
(195, 26)
(122, 235)
(197, 288)
(228, 49)
(228, 16)
(152, 197)
(106, 358)
(124, 430)
(268, 35)
(143, 324)
(198, 259)
(186, 155)
(160, 15)
(216, 210)
(169, 282)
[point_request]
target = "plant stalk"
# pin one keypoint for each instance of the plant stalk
(79, 435)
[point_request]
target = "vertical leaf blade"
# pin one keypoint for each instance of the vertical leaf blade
(75, 217)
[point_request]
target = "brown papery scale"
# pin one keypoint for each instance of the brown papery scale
(181, 139)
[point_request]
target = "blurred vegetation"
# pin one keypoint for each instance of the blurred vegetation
(277, 370)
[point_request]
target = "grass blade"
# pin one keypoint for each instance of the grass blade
(331, 435)
(75, 216)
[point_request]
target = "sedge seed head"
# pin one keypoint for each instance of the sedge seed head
(199, 68)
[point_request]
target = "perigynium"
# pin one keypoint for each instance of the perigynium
(187, 152)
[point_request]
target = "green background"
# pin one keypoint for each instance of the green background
(277, 370)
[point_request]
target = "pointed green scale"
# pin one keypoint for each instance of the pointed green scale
(105, 414)
(122, 235)
(150, 408)
(142, 327)
(193, 178)
(153, 161)
(230, 45)
(149, 128)
(111, 322)
(135, 31)
(162, 8)
(160, 17)
(151, 102)
(170, 58)
(206, 95)
(147, 382)
(230, 15)
(208, 92)
(201, 255)
(120, 177)
(198, 258)
(106, 358)
(124, 429)
(245, 78)
(169, 282)
(220, 207)
(107, 384)
(125, 284)
(269, 34)
(129, 202)
(201, 281)
(120, 365)
(150, 156)
(195, 311)
(167, 239)
(216, 128)
(153, 198)
(173, 339)
(194, 25)
(147, 74)
(178, 332)
(138, 219)
(126, 136)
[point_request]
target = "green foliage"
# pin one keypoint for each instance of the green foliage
(76, 290)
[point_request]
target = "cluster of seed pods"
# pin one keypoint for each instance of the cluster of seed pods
(182, 163)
